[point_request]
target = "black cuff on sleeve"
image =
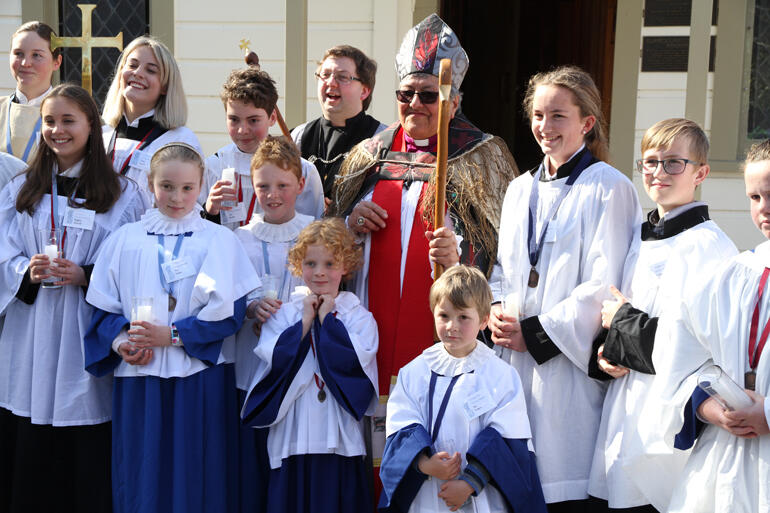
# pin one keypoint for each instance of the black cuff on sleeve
(88, 269)
(27, 292)
(539, 344)
(594, 371)
(631, 338)
(210, 217)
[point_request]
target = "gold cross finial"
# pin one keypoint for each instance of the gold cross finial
(244, 44)
(86, 43)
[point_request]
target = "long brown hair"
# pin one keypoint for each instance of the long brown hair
(587, 99)
(99, 184)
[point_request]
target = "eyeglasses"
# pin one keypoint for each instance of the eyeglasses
(341, 77)
(426, 97)
(670, 166)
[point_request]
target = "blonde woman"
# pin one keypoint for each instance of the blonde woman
(145, 109)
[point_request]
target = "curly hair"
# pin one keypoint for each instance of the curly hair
(334, 235)
(250, 85)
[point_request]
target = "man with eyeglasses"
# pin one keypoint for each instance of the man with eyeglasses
(385, 192)
(345, 83)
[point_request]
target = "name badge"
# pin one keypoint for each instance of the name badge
(79, 218)
(178, 269)
(234, 215)
(477, 404)
(141, 159)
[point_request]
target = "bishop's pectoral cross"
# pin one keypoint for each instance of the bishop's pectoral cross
(86, 43)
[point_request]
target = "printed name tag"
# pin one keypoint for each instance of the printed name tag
(79, 218)
(178, 269)
(234, 215)
(141, 159)
(477, 404)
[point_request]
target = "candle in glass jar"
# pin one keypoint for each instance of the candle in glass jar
(144, 313)
(51, 251)
(228, 174)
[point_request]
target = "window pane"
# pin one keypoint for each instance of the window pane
(759, 98)
(108, 19)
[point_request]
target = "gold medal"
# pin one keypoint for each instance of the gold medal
(534, 277)
(321, 395)
(750, 380)
(171, 303)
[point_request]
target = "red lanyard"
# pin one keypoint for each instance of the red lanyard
(55, 197)
(124, 167)
(756, 352)
(251, 203)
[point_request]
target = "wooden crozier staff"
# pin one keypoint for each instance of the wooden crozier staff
(252, 59)
(444, 91)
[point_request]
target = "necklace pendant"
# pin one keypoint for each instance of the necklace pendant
(171, 303)
(321, 395)
(534, 277)
(750, 380)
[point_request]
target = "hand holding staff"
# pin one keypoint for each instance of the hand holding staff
(252, 59)
(445, 89)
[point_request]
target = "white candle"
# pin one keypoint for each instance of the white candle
(511, 304)
(270, 294)
(51, 251)
(144, 313)
(228, 174)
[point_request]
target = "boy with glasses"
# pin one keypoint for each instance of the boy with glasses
(679, 246)
(345, 80)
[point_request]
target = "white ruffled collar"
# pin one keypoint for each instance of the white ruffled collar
(154, 221)
(285, 232)
(343, 303)
(443, 363)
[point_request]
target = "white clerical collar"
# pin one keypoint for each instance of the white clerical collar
(135, 123)
(154, 221)
(72, 172)
(443, 363)
(682, 209)
(23, 100)
(547, 176)
(421, 142)
(284, 232)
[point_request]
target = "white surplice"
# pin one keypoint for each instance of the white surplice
(278, 240)
(42, 373)
(304, 425)
(724, 473)
(481, 374)
(139, 168)
(128, 267)
(664, 270)
(584, 251)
